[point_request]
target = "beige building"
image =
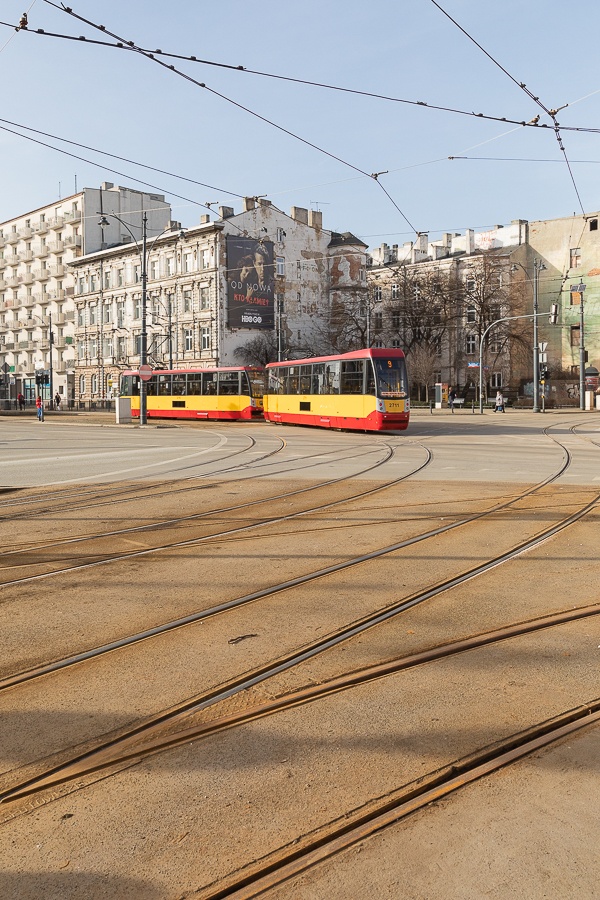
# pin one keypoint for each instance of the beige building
(37, 287)
(245, 288)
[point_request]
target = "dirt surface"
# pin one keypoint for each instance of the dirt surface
(259, 512)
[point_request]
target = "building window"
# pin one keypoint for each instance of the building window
(377, 293)
(396, 344)
(188, 337)
(204, 297)
(205, 337)
(377, 320)
(81, 286)
(137, 273)
(575, 257)
(107, 278)
(593, 224)
(187, 262)
(496, 380)
(93, 315)
(106, 313)
(137, 342)
(395, 291)
(471, 343)
(495, 346)
(120, 314)
(471, 314)
(80, 352)
(396, 319)
(121, 349)
(81, 316)
(204, 259)
(93, 347)
(170, 264)
(81, 385)
(469, 283)
(137, 307)
(574, 298)
(187, 302)
(120, 278)
(94, 383)
(575, 336)
(280, 266)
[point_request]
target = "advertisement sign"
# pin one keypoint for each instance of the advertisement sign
(250, 283)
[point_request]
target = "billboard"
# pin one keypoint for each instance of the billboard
(250, 283)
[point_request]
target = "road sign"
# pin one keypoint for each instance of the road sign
(6, 368)
(473, 365)
(145, 372)
(543, 346)
(543, 357)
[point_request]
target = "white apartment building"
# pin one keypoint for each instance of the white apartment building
(37, 287)
(259, 277)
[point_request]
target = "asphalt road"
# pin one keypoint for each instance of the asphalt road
(109, 530)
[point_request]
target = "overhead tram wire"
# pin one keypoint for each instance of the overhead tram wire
(56, 137)
(550, 112)
(132, 48)
(247, 109)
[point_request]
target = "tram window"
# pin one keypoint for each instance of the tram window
(391, 377)
(209, 383)
(164, 388)
(370, 385)
(352, 376)
(229, 383)
(331, 380)
(151, 387)
(257, 383)
(276, 381)
(130, 386)
(292, 383)
(179, 385)
(318, 370)
(194, 384)
(305, 379)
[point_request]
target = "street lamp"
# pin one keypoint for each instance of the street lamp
(481, 342)
(144, 332)
(50, 344)
(538, 266)
(578, 290)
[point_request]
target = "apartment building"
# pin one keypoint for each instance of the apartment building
(37, 287)
(250, 286)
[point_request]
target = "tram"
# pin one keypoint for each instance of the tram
(366, 390)
(233, 392)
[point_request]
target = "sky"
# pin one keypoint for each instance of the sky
(122, 103)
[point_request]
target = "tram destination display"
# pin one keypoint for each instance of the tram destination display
(250, 283)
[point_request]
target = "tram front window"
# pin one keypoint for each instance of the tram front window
(390, 374)
(257, 384)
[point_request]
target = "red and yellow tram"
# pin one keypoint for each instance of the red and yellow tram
(365, 390)
(232, 392)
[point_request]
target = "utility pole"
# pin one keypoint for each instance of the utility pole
(578, 289)
(50, 343)
(144, 332)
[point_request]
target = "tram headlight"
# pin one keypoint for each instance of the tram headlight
(380, 405)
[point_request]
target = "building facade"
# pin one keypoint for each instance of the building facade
(37, 287)
(248, 287)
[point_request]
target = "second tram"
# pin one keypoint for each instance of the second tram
(365, 390)
(234, 392)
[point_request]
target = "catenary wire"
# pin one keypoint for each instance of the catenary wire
(550, 112)
(241, 106)
(132, 48)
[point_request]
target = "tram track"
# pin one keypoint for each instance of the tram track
(156, 526)
(151, 737)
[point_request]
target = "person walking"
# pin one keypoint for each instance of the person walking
(21, 401)
(451, 399)
(57, 401)
(39, 408)
(499, 407)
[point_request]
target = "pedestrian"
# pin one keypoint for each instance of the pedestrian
(451, 399)
(21, 400)
(57, 401)
(499, 407)
(39, 407)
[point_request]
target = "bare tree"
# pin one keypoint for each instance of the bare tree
(259, 350)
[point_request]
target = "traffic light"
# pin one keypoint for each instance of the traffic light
(553, 318)
(544, 373)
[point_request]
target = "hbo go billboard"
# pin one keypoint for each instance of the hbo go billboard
(250, 283)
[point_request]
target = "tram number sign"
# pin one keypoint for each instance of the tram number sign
(145, 372)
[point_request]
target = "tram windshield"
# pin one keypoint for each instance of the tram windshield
(257, 383)
(390, 374)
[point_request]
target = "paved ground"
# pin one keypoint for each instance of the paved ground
(169, 826)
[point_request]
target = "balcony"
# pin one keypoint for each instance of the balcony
(57, 271)
(26, 256)
(41, 274)
(12, 237)
(2, 242)
(13, 259)
(73, 216)
(25, 233)
(3, 283)
(56, 247)
(56, 222)
(59, 343)
(27, 278)
(73, 241)
(28, 302)
(42, 227)
(59, 319)
(43, 250)
(13, 281)
(3, 263)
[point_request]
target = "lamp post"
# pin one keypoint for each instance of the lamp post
(483, 337)
(50, 369)
(578, 289)
(144, 331)
(538, 266)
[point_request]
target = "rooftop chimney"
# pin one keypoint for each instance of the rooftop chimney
(315, 219)
(226, 212)
(299, 214)
(249, 203)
